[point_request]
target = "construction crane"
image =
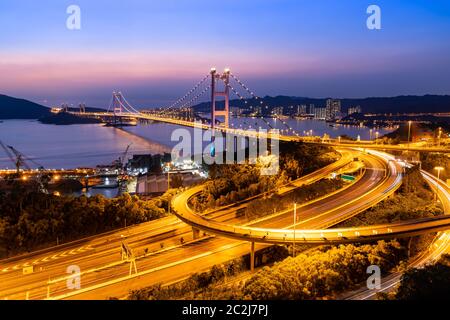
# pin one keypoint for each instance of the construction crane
(122, 177)
(18, 158)
(124, 156)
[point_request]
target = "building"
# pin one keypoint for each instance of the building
(333, 109)
(311, 109)
(356, 109)
(56, 110)
(235, 111)
(278, 111)
(157, 183)
(257, 111)
(143, 163)
(301, 110)
(320, 113)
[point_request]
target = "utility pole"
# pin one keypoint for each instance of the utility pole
(128, 254)
(168, 187)
(409, 132)
(439, 136)
(438, 175)
(295, 221)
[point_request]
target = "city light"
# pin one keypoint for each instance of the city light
(238, 151)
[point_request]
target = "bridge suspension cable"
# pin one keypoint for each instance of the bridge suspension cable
(128, 104)
(176, 104)
(190, 102)
(242, 98)
(189, 92)
(289, 128)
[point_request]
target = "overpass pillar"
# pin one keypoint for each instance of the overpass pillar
(252, 257)
(195, 233)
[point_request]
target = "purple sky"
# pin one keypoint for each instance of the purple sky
(155, 51)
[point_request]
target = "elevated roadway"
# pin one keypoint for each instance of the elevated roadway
(439, 246)
(156, 244)
(250, 133)
(391, 181)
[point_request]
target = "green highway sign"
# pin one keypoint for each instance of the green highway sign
(347, 177)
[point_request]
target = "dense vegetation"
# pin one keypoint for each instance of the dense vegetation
(403, 132)
(30, 219)
(231, 183)
(318, 274)
(430, 282)
(322, 273)
(432, 160)
(201, 284)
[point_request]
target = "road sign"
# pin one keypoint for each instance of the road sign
(347, 177)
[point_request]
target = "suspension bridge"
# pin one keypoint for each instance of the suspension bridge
(220, 86)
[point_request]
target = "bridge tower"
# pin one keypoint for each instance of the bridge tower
(118, 103)
(65, 107)
(216, 78)
(82, 107)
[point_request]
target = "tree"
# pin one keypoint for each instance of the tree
(430, 282)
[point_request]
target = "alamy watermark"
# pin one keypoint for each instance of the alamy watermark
(73, 21)
(374, 280)
(74, 280)
(374, 20)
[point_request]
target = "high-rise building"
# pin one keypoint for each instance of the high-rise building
(257, 110)
(356, 109)
(278, 111)
(301, 110)
(236, 111)
(333, 109)
(320, 113)
(311, 109)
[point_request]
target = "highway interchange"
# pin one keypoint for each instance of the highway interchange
(162, 256)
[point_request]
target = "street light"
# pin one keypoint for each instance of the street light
(439, 169)
(409, 132)
(439, 136)
(295, 221)
(168, 186)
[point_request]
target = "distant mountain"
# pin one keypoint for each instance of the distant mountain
(400, 104)
(13, 108)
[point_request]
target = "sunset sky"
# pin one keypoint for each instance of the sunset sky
(154, 51)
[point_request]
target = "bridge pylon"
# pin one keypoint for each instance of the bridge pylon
(117, 103)
(215, 92)
(82, 107)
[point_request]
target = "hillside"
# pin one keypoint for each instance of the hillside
(13, 108)
(400, 104)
